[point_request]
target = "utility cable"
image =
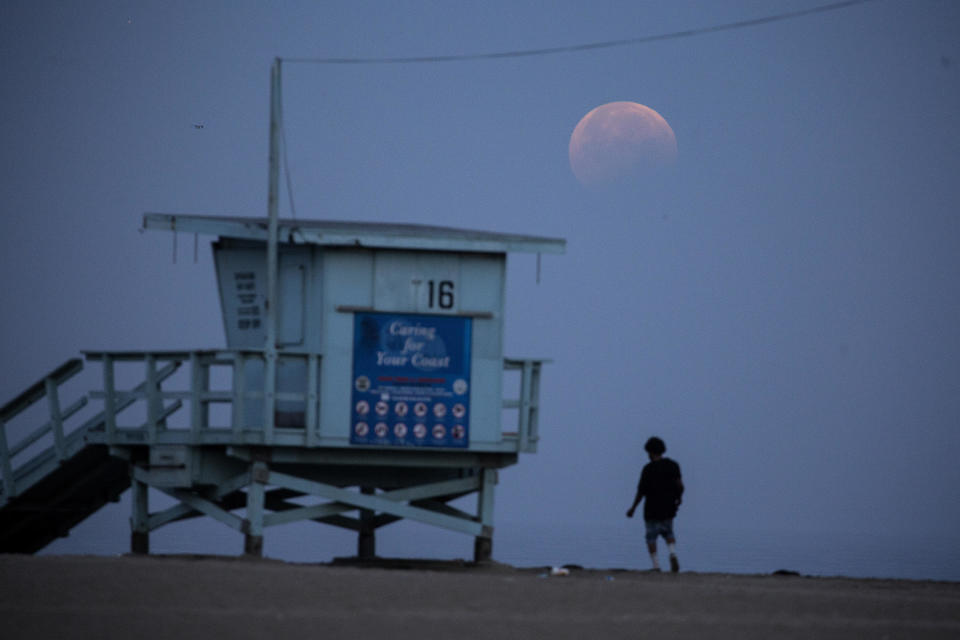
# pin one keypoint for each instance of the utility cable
(729, 26)
(521, 53)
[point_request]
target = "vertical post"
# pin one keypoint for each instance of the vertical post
(239, 391)
(313, 366)
(367, 540)
(270, 315)
(204, 390)
(525, 405)
(6, 468)
(533, 428)
(153, 398)
(56, 418)
(199, 385)
(483, 544)
(109, 398)
(140, 515)
(195, 387)
(253, 525)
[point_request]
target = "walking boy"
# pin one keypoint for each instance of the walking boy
(661, 484)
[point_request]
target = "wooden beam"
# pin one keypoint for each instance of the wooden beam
(376, 503)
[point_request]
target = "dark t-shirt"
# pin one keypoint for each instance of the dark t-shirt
(661, 486)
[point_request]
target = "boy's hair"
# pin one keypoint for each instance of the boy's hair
(655, 446)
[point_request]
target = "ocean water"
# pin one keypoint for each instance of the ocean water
(729, 551)
(615, 545)
(724, 551)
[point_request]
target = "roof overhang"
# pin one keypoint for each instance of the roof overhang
(357, 234)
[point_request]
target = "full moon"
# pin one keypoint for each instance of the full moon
(618, 141)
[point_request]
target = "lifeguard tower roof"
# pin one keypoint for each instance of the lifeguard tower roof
(377, 235)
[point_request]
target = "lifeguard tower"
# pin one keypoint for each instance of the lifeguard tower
(362, 383)
(383, 397)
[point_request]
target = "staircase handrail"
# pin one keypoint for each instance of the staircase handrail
(37, 390)
(46, 387)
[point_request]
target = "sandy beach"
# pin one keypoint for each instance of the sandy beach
(220, 597)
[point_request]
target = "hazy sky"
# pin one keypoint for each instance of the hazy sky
(782, 307)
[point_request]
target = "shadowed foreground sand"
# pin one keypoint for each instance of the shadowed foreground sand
(175, 598)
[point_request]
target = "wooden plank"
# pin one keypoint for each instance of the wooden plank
(376, 503)
(196, 386)
(6, 471)
(179, 511)
(184, 511)
(434, 489)
(254, 522)
(459, 486)
(138, 356)
(524, 425)
(109, 401)
(313, 512)
(207, 508)
(533, 429)
(56, 419)
(152, 387)
(367, 234)
(312, 426)
(239, 393)
(485, 497)
(384, 457)
(165, 412)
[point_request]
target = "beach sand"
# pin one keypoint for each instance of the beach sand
(178, 597)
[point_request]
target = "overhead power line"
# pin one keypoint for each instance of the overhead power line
(521, 53)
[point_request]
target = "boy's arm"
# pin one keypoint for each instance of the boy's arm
(636, 501)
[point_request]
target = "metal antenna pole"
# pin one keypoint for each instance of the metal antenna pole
(270, 352)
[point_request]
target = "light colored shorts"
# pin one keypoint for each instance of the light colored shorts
(659, 528)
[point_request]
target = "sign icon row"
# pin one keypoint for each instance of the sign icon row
(363, 384)
(420, 409)
(381, 429)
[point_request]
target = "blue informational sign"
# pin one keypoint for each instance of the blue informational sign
(411, 380)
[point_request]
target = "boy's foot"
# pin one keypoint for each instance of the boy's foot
(674, 563)
(654, 570)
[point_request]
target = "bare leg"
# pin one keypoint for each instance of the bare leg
(674, 563)
(652, 548)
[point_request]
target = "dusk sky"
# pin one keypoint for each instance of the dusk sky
(782, 306)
